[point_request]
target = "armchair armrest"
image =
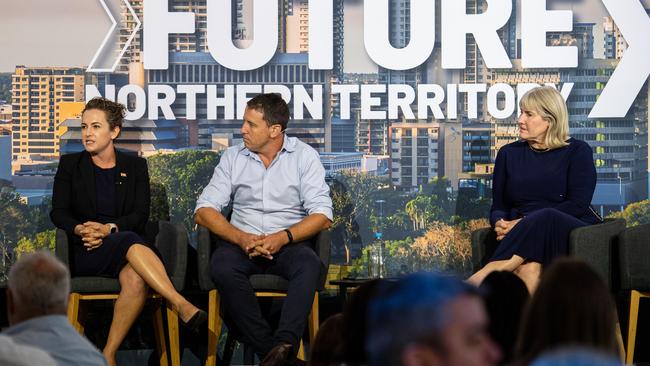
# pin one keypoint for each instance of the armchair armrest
(322, 247)
(171, 241)
(594, 244)
(203, 253)
(484, 243)
(61, 247)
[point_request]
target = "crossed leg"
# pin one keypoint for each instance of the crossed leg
(502, 265)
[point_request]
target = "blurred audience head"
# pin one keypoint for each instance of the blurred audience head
(429, 319)
(327, 346)
(576, 357)
(571, 307)
(505, 296)
(38, 284)
(355, 320)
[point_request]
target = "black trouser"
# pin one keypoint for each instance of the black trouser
(298, 263)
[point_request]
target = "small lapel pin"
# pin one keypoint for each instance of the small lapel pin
(123, 175)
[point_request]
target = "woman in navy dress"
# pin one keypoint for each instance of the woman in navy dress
(101, 199)
(541, 189)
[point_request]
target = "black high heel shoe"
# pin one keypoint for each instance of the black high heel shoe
(196, 321)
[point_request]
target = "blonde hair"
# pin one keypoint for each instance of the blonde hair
(550, 105)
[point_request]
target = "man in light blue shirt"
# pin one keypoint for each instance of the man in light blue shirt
(37, 301)
(279, 201)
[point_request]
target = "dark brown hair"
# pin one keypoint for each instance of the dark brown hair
(274, 109)
(114, 111)
(571, 307)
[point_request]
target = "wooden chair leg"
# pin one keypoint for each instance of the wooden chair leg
(635, 297)
(159, 331)
(172, 328)
(73, 312)
(619, 342)
(313, 320)
(214, 327)
(312, 323)
(301, 351)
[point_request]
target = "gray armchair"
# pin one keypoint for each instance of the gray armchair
(593, 244)
(265, 285)
(171, 241)
(634, 265)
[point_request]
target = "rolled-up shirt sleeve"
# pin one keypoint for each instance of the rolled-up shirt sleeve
(314, 192)
(217, 193)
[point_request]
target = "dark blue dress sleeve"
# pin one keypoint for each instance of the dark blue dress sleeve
(500, 208)
(581, 182)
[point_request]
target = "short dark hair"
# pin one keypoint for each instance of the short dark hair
(274, 109)
(571, 306)
(114, 111)
(410, 310)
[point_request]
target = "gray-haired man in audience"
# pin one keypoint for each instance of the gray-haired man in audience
(37, 300)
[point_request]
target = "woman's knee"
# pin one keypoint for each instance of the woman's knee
(137, 249)
(131, 282)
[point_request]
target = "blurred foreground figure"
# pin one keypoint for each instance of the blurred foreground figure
(572, 307)
(37, 301)
(428, 319)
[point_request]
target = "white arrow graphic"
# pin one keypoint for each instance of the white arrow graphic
(91, 66)
(633, 69)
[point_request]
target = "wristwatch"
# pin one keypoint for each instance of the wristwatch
(289, 235)
(113, 227)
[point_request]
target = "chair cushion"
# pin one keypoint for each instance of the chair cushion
(87, 285)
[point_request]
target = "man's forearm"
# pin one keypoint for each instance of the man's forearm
(218, 224)
(309, 227)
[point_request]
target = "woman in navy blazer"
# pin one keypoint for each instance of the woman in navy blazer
(542, 188)
(101, 199)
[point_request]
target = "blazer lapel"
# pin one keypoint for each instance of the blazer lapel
(88, 175)
(121, 180)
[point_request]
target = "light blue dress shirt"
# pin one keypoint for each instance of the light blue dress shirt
(268, 200)
(54, 335)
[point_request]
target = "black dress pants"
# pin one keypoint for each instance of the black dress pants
(231, 268)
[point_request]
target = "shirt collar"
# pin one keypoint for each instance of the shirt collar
(288, 145)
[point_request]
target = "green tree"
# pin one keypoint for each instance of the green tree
(351, 199)
(636, 213)
(15, 222)
(181, 176)
(422, 210)
(5, 86)
(44, 240)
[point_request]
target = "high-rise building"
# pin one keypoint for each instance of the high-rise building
(505, 130)
(142, 137)
(37, 94)
(284, 69)
(5, 113)
(5, 157)
(620, 145)
(413, 153)
(371, 133)
(582, 36)
(343, 135)
(297, 23)
(133, 53)
(476, 72)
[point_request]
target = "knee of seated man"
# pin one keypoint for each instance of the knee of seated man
(304, 258)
